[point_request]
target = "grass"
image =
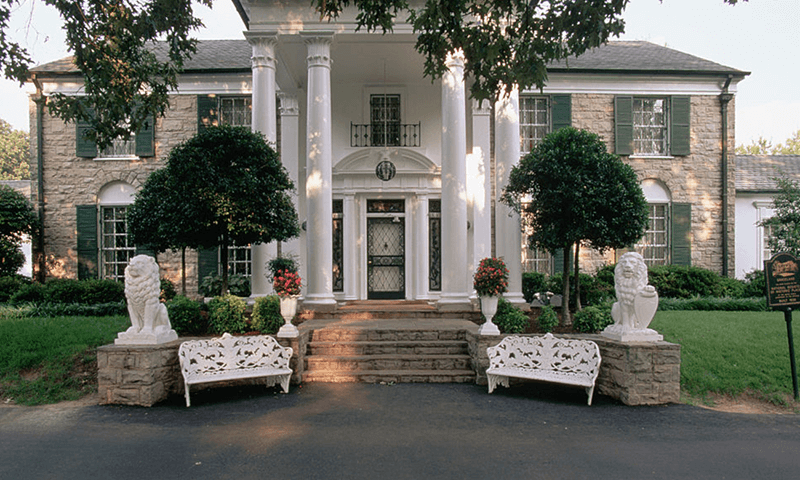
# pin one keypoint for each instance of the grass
(47, 360)
(731, 353)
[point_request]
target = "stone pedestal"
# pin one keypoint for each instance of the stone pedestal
(138, 374)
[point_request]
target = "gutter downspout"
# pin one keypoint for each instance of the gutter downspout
(724, 98)
(40, 256)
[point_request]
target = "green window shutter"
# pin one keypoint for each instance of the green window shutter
(681, 234)
(207, 115)
(562, 111)
(86, 221)
(623, 125)
(146, 139)
(145, 250)
(207, 263)
(680, 120)
(558, 261)
(83, 146)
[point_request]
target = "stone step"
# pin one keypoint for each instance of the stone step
(384, 335)
(432, 347)
(433, 364)
(392, 376)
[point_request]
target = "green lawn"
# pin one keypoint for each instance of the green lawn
(731, 352)
(40, 356)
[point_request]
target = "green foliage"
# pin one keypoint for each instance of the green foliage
(593, 291)
(223, 186)
(763, 146)
(76, 309)
(167, 290)
(266, 316)
(786, 221)
(681, 281)
(491, 277)
(593, 318)
(17, 221)
(51, 346)
(533, 283)
(285, 263)
(184, 316)
(548, 319)
(755, 284)
(14, 153)
(509, 319)
(238, 285)
(9, 286)
(31, 293)
(754, 304)
(226, 314)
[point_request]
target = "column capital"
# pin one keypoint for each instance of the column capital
(455, 59)
(481, 107)
(289, 104)
(263, 45)
(319, 49)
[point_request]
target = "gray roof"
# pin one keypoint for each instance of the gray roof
(755, 173)
(613, 57)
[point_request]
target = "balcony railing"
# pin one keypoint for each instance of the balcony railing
(385, 135)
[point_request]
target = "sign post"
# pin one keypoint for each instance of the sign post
(783, 293)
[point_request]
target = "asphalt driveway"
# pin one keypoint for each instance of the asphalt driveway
(411, 431)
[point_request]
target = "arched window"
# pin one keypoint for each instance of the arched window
(655, 244)
(115, 247)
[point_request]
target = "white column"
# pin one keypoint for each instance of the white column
(319, 149)
(479, 182)
(350, 248)
(290, 157)
(507, 223)
(422, 248)
(264, 120)
(455, 286)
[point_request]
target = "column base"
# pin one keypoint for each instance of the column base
(454, 302)
(319, 302)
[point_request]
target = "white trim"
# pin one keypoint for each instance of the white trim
(623, 83)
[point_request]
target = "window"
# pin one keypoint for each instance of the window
(534, 259)
(650, 132)
(236, 111)
(115, 249)
(338, 245)
(120, 148)
(140, 144)
(240, 260)
(385, 120)
(435, 245)
(654, 246)
(534, 122)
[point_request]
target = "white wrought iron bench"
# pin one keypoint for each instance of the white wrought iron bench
(231, 358)
(547, 358)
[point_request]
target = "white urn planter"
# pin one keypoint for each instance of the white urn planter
(288, 311)
(488, 309)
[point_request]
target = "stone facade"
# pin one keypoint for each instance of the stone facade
(70, 180)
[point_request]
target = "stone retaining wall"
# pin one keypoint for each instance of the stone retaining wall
(633, 373)
(148, 374)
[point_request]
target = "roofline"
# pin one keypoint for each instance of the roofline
(242, 13)
(692, 73)
(757, 191)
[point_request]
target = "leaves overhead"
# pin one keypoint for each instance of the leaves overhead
(14, 153)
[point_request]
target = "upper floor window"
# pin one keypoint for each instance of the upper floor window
(534, 122)
(120, 148)
(650, 126)
(385, 120)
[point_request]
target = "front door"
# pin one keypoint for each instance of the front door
(386, 258)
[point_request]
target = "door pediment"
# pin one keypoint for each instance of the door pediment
(406, 162)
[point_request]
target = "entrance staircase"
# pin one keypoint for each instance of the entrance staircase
(388, 342)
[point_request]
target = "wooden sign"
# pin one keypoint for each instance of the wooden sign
(783, 281)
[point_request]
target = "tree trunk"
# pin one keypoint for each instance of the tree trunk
(223, 259)
(565, 318)
(183, 271)
(577, 277)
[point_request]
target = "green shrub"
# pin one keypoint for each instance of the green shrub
(593, 318)
(167, 290)
(533, 283)
(605, 277)
(593, 292)
(281, 263)
(755, 284)
(184, 315)
(9, 286)
(64, 290)
(680, 281)
(509, 319)
(31, 293)
(103, 291)
(729, 287)
(755, 304)
(226, 314)
(238, 285)
(266, 316)
(548, 319)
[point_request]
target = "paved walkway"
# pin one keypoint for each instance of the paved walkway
(408, 431)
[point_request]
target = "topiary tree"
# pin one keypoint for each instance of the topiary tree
(578, 193)
(225, 185)
(17, 219)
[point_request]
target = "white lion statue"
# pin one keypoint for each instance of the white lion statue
(636, 303)
(149, 319)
